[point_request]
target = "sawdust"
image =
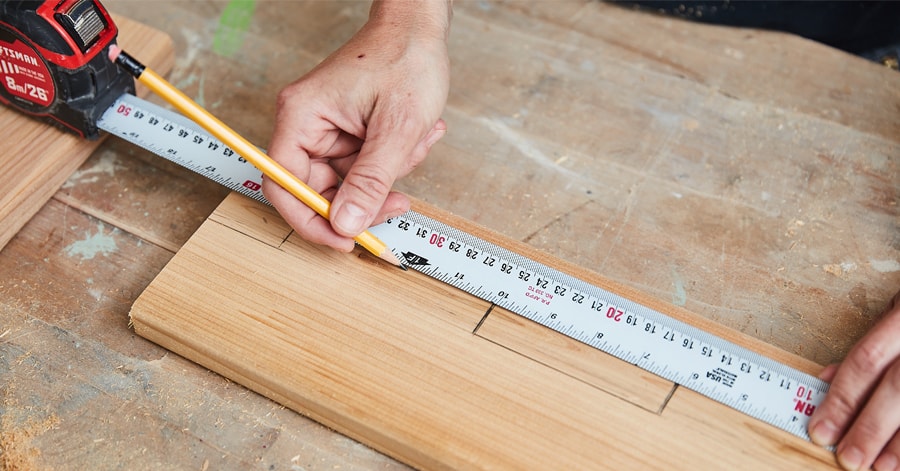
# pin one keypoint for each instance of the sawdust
(840, 269)
(833, 269)
(16, 451)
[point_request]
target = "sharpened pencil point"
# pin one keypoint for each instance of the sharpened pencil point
(389, 257)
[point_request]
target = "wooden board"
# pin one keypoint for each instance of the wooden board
(748, 176)
(38, 158)
(398, 361)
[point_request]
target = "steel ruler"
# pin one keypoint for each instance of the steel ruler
(714, 367)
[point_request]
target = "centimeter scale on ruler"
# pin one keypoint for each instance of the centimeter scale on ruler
(716, 368)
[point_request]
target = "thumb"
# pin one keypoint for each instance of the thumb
(381, 160)
(360, 197)
(392, 147)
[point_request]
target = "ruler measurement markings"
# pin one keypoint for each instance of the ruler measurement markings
(148, 125)
(681, 353)
(705, 363)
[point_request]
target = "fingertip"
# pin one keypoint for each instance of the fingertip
(433, 137)
(333, 241)
(344, 247)
(851, 458)
(823, 432)
(114, 52)
(887, 460)
(435, 134)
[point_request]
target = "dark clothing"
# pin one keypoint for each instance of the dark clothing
(858, 27)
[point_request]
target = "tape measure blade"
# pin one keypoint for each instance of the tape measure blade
(714, 367)
(180, 140)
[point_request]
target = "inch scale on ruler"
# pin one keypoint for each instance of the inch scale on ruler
(716, 368)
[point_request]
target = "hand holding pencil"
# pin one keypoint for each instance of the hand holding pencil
(363, 118)
(271, 169)
(346, 131)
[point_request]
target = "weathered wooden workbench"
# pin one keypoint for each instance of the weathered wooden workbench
(750, 177)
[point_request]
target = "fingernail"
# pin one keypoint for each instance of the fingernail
(824, 433)
(850, 458)
(350, 219)
(886, 462)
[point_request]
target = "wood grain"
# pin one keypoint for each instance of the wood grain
(39, 157)
(747, 176)
(389, 358)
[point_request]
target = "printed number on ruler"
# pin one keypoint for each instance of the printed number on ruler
(695, 359)
(183, 142)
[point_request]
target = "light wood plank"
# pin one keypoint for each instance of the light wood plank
(255, 220)
(582, 361)
(658, 152)
(38, 158)
(389, 358)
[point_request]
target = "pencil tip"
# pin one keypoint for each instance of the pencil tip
(389, 257)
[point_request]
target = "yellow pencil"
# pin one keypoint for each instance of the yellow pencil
(229, 137)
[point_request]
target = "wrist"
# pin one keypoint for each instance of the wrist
(420, 17)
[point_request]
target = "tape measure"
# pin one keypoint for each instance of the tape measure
(57, 72)
(54, 64)
(180, 140)
(716, 368)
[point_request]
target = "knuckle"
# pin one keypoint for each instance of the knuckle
(868, 359)
(284, 97)
(840, 406)
(865, 432)
(411, 126)
(371, 182)
(400, 118)
(294, 92)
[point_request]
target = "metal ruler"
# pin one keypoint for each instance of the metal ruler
(716, 368)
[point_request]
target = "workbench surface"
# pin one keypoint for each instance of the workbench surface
(750, 177)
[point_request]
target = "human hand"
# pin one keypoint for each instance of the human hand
(861, 412)
(365, 116)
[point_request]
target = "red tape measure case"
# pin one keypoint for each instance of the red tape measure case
(54, 64)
